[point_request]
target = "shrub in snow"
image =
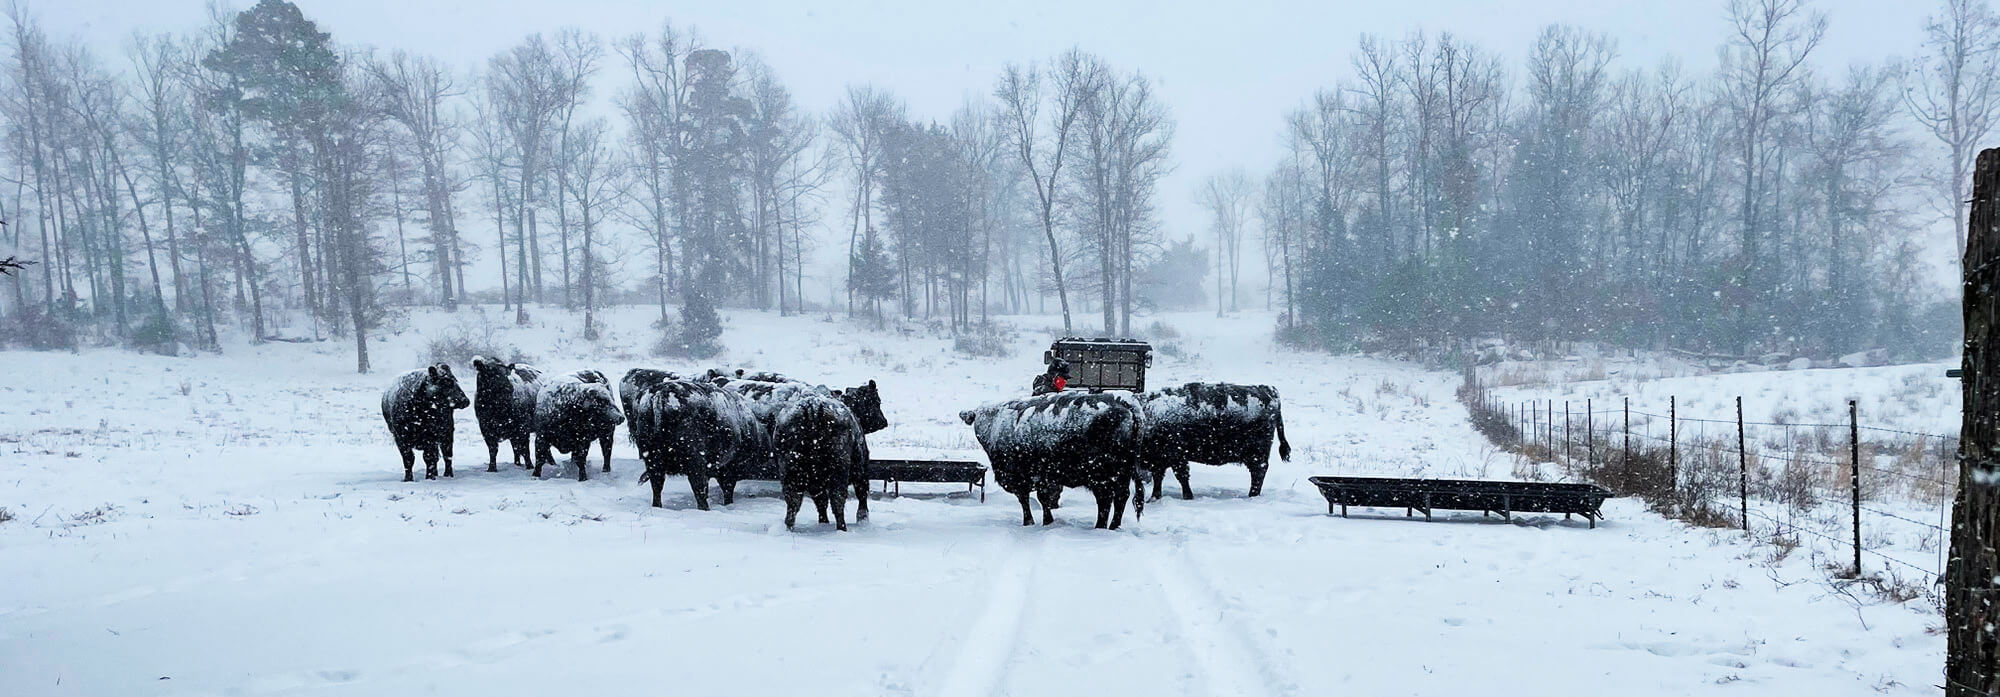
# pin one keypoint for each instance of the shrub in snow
(990, 341)
(463, 341)
(696, 335)
(157, 334)
(38, 329)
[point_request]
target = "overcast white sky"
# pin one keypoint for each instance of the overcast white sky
(1227, 70)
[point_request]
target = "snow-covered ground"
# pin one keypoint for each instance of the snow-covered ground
(237, 524)
(1908, 417)
(1915, 397)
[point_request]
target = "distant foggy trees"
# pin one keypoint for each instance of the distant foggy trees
(1438, 196)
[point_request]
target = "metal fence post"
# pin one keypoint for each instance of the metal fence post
(1628, 432)
(1673, 447)
(1742, 468)
(1854, 475)
(1589, 434)
(1569, 453)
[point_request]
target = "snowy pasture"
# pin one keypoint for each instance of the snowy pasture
(237, 525)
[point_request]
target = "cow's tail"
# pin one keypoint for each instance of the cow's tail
(1278, 415)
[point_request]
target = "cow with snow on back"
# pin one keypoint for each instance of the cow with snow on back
(820, 449)
(1041, 445)
(769, 398)
(572, 412)
(694, 428)
(504, 400)
(418, 407)
(1212, 423)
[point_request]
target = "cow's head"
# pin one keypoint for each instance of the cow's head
(490, 373)
(594, 400)
(968, 416)
(866, 403)
(441, 387)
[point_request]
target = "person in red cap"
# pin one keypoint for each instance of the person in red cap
(1056, 379)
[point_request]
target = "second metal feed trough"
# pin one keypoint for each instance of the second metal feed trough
(1503, 497)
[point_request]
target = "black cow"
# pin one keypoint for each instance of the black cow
(864, 403)
(636, 381)
(504, 400)
(418, 409)
(1044, 444)
(821, 450)
(572, 412)
(865, 400)
(1212, 423)
(697, 429)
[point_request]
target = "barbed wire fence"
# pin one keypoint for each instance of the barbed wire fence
(1878, 497)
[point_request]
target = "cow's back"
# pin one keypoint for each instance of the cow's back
(1210, 423)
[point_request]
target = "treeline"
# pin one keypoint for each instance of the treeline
(1440, 196)
(258, 176)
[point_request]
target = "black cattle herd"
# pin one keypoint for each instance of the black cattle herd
(735, 425)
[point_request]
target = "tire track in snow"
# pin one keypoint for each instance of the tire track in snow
(1228, 662)
(990, 644)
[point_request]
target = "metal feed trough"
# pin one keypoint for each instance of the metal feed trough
(1103, 364)
(1504, 498)
(895, 472)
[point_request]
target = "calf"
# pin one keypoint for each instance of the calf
(1042, 444)
(820, 451)
(697, 429)
(418, 410)
(1213, 423)
(504, 400)
(572, 412)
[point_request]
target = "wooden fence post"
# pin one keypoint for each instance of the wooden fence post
(1972, 646)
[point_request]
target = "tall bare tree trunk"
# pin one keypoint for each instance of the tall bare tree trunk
(1972, 654)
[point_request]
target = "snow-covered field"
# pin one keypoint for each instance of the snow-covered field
(237, 524)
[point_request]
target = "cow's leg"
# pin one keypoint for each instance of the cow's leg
(659, 480)
(861, 499)
(1159, 479)
(728, 491)
(698, 481)
(409, 464)
(492, 454)
(1120, 495)
(819, 498)
(1181, 473)
(793, 498)
(1138, 498)
(444, 448)
(542, 455)
(1051, 500)
(606, 442)
(1103, 500)
(1027, 512)
(430, 461)
(524, 455)
(581, 458)
(1257, 471)
(839, 502)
